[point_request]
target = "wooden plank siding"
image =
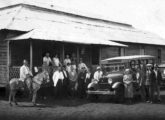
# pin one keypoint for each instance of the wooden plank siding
(133, 49)
(107, 52)
(3, 59)
(163, 54)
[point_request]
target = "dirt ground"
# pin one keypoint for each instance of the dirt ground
(77, 109)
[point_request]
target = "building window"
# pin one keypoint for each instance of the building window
(142, 51)
(159, 55)
(122, 51)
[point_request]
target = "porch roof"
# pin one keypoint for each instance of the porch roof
(66, 34)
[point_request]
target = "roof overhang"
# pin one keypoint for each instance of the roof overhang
(65, 35)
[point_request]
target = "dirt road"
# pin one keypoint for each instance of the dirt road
(81, 110)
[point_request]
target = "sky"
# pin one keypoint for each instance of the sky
(146, 15)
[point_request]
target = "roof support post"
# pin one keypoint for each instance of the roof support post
(63, 52)
(100, 55)
(78, 55)
(31, 55)
(8, 60)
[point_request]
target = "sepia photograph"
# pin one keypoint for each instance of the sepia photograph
(82, 59)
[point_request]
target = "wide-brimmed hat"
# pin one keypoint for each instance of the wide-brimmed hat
(149, 65)
(155, 65)
(127, 70)
(98, 68)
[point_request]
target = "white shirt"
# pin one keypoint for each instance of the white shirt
(66, 61)
(98, 75)
(68, 68)
(56, 61)
(47, 60)
(156, 73)
(24, 70)
(56, 76)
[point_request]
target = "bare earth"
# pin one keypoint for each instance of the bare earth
(81, 110)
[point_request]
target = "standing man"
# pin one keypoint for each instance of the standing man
(142, 81)
(56, 61)
(58, 80)
(81, 83)
(151, 79)
(47, 60)
(153, 84)
(147, 83)
(25, 71)
(67, 60)
(96, 77)
(98, 74)
(46, 63)
(66, 82)
(158, 80)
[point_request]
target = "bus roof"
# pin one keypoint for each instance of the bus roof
(126, 58)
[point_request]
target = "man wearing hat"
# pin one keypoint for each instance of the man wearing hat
(81, 83)
(150, 83)
(25, 71)
(98, 74)
(158, 79)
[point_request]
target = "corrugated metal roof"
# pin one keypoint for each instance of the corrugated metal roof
(51, 6)
(62, 34)
(26, 19)
(6, 16)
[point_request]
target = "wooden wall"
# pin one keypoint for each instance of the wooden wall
(134, 49)
(163, 54)
(3, 59)
(107, 52)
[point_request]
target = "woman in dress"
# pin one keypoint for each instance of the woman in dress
(73, 80)
(127, 79)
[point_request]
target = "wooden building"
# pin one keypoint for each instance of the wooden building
(29, 30)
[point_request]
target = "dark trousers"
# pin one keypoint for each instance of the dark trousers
(65, 90)
(81, 90)
(147, 91)
(58, 90)
(143, 93)
(152, 91)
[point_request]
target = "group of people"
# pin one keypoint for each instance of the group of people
(68, 62)
(147, 77)
(71, 79)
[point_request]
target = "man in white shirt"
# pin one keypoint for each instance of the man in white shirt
(57, 75)
(25, 71)
(56, 61)
(67, 60)
(58, 78)
(47, 60)
(98, 74)
(66, 82)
